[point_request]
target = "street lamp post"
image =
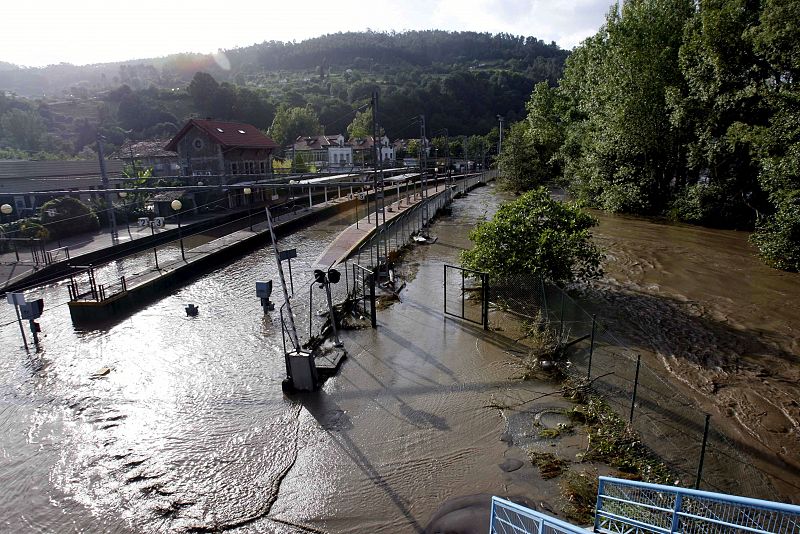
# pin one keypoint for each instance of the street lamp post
(247, 192)
(177, 205)
(6, 210)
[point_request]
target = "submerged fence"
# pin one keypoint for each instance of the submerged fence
(669, 423)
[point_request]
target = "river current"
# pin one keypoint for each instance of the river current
(190, 430)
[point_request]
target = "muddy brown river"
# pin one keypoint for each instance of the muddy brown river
(719, 322)
(190, 430)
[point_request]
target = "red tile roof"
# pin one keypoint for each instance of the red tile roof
(226, 133)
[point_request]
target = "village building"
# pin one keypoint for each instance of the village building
(222, 151)
(363, 150)
(144, 155)
(325, 152)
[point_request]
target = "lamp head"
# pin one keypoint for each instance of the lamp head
(176, 205)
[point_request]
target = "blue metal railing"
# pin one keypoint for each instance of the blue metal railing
(511, 518)
(625, 506)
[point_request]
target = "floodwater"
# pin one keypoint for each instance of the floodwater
(190, 430)
(724, 326)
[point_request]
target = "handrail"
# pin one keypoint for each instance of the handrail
(510, 517)
(622, 504)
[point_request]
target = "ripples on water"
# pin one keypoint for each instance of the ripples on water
(190, 427)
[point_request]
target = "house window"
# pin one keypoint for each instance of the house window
(234, 168)
(249, 167)
(263, 167)
(198, 144)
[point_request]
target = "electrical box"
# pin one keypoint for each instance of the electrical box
(264, 289)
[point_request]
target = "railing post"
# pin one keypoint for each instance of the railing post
(676, 518)
(599, 505)
(702, 454)
(591, 347)
(372, 300)
(561, 320)
(635, 385)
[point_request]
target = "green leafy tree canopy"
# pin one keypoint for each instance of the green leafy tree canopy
(536, 235)
(292, 122)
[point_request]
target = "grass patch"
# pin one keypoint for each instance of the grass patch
(549, 433)
(579, 490)
(550, 465)
(612, 441)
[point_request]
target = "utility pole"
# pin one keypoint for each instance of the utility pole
(423, 157)
(500, 144)
(466, 156)
(112, 220)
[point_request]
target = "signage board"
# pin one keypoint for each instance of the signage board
(287, 254)
(17, 299)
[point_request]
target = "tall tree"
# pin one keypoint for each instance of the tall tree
(23, 128)
(517, 162)
(290, 123)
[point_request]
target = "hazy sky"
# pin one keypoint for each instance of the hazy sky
(41, 32)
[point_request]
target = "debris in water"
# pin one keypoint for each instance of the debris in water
(100, 373)
(192, 310)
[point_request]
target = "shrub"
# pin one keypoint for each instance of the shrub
(68, 216)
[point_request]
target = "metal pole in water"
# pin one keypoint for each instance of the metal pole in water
(21, 329)
(635, 385)
(289, 314)
(591, 347)
(702, 454)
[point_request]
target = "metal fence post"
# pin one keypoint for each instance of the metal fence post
(591, 347)
(702, 454)
(635, 385)
(372, 300)
(485, 280)
(561, 320)
(445, 289)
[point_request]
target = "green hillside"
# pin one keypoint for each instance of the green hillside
(459, 80)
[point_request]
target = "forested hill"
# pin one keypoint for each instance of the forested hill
(460, 80)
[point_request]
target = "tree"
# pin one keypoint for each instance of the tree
(203, 89)
(24, 129)
(65, 216)
(536, 235)
(517, 162)
(361, 126)
(290, 123)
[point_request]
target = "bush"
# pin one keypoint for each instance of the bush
(32, 229)
(539, 236)
(778, 237)
(68, 216)
(711, 205)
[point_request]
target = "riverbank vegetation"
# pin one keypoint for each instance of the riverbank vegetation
(536, 236)
(679, 109)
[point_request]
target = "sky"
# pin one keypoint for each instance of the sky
(42, 32)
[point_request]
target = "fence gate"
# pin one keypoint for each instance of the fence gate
(466, 295)
(363, 292)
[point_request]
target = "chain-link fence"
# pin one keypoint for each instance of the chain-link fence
(670, 423)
